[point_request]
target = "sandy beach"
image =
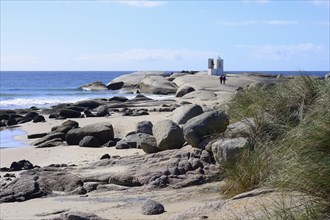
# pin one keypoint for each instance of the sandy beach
(121, 202)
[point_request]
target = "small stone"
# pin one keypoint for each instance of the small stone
(105, 156)
(151, 207)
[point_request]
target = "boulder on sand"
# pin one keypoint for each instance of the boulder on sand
(227, 150)
(89, 141)
(157, 85)
(203, 125)
(144, 127)
(102, 131)
(185, 112)
(151, 207)
(168, 134)
(68, 113)
(148, 144)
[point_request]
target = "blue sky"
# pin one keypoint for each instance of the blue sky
(165, 35)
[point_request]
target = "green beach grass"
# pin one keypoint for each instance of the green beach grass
(290, 140)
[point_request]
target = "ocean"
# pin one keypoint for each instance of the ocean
(24, 89)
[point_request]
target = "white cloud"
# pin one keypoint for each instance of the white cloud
(284, 52)
(257, 22)
(141, 4)
(146, 55)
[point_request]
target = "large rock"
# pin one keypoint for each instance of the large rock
(23, 189)
(36, 183)
(97, 86)
(144, 127)
(130, 141)
(39, 118)
(241, 128)
(115, 85)
(148, 144)
(68, 113)
(201, 95)
(184, 90)
(227, 150)
(203, 125)
(132, 80)
(51, 143)
(66, 126)
(102, 131)
(49, 137)
(91, 104)
(157, 85)
(168, 134)
(102, 111)
(89, 141)
(21, 165)
(184, 113)
(151, 207)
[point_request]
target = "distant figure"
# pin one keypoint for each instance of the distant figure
(222, 79)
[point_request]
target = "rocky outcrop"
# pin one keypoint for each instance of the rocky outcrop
(96, 86)
(102, 131)
(132, 80)
(184, 90)
(203, 125)
(89, 141)
(65, 126)
(144, 127)
(90, 104)
(102, 111)
(157, 85)
(78, 216)
(241, 128)
(49, 137)
(148, 144)
(151, 207)
(69, 113)
(39, 182)
(115, 85)
(182, 114)
(168, 134)
(228, 150)
(201, 95)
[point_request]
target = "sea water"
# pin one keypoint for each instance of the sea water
(24, 89)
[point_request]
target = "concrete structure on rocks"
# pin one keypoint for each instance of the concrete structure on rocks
(215, 66)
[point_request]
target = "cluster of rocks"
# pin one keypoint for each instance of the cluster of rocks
(19, 165)
(151, 82)
(11, 117)
(140, 105)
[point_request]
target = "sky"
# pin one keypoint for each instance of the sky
(259, 35)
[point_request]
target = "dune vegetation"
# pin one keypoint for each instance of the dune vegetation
(290, 144)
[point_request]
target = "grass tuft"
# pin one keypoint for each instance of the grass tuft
(290, 140)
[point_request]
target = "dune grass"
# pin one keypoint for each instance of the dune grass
(290, 138)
